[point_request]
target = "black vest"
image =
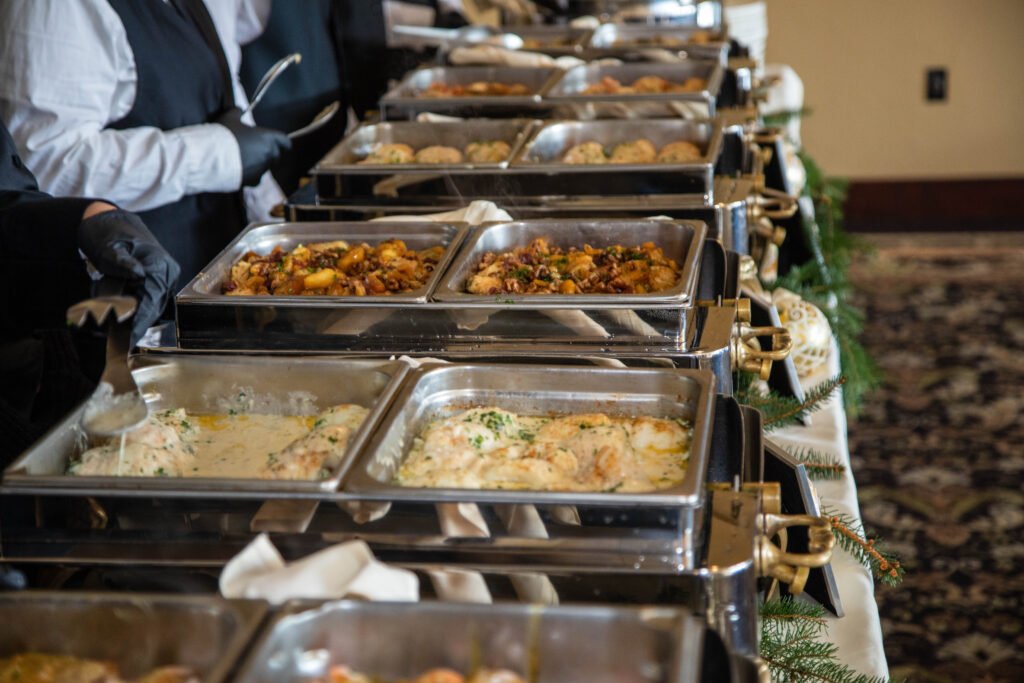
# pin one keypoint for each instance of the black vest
(180, 83)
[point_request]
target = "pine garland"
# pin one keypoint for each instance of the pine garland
(850, 536)
(781, 411)
(790, 645)
(820, 466)
(823, 280)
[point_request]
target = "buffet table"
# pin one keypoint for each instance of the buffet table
(858, 634)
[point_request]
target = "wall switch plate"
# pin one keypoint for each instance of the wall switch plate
(936, 81)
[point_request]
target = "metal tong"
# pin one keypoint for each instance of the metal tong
(272, 75)
(117, 404)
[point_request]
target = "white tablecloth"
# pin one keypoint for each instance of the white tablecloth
(859, 633)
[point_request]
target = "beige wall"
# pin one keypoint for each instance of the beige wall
(863, 65)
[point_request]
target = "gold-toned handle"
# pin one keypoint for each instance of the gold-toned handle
(748, 355)
(789, 567)
(742, 307)
(763, 227)
(98, 517)
(776, 204)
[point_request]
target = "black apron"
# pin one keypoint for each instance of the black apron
(182, 81)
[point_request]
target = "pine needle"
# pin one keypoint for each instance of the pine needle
(820, 466)
(850, 536)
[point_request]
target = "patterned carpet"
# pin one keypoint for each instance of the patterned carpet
(938, 455)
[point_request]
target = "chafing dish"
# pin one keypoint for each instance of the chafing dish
(406, 97)
(703, 13)
(529, 177)
(348, 154)
(549, 143)
(622, 40)
(680, 241)
(434, 391)
(569, 101)
(390, 641)
(138, 632)
(209, 384)
(263, 237)
(552, 40)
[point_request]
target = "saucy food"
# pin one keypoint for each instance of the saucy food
(640, 151)
(477, 89)
(334, 269)
(695, 38)
(172, 443)
(35, 667)
(484, 151)
(343, 674)
(543, 269)
(491, 448)
(643, 85)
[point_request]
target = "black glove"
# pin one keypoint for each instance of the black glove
(120, 245)
(260, 147)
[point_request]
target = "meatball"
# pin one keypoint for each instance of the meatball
(634, 152)
(648, 84)
(679, 152)
(438, 154)
(586, 153)
(487, 151)
(390, 154)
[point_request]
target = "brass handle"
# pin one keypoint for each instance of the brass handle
(750, 357)
(775, 234)
(98, 517)
(776, 204)
(789, 567)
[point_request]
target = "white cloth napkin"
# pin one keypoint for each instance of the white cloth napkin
(343, 570)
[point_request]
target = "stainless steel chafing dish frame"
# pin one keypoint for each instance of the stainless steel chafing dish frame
(343, 157)
(406, 95)
(81, 624)
(536, 641)
(566, 91)
(577, 38)
(603, 41)
(262, 237)
(525, 388)
(43, 466)
(686, 252)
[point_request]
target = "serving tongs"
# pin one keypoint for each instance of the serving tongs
(116, 405)
(269, 77)
(429, 36)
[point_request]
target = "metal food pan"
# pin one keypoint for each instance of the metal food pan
(263, 237)
(615, 39)
(203, 383)
(436, 391)
(407, 94)
(560, 40)
(550, 142)
(138, 632)
(390, 641)
(681, 241)
(567, 93)
(345, 157)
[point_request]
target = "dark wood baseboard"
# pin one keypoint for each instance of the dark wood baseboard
(935, 205)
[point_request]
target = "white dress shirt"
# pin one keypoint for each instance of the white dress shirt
(67, 71)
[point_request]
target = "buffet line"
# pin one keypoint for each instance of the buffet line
(568, 358)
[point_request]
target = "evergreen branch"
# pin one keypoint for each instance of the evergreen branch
(812, 402)
(850, 537)
(781, 118)
(790, 648)
(820, 466)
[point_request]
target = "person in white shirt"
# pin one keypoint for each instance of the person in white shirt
(135, 100)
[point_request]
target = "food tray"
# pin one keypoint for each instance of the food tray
(680, 241)
(263, 237)
(615, 40)
(553, 40)
(568, 98)
(203, 383)
(138, 632)
(435, 391)
(550, 142)
(346, 155)
(390, 641)
(405, 97)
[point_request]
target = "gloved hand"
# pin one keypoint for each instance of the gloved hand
(120, 245)
(260, 147)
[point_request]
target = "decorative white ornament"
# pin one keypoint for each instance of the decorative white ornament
(796, 174)
(808, 327)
